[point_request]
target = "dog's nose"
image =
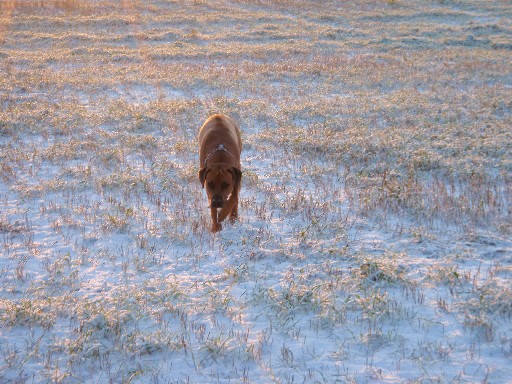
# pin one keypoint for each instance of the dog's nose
(217, 202)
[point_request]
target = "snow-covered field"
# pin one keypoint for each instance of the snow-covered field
(375, 237)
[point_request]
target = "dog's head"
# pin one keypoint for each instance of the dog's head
(220, 183)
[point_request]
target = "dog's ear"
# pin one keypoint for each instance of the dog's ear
(237, 177)
(202, 175)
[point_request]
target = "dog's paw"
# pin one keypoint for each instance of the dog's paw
(216, 227)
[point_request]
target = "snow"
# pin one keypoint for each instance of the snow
(373, 244)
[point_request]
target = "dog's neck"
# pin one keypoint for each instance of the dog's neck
(220, 148)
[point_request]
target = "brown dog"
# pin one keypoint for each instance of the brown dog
(219, 166)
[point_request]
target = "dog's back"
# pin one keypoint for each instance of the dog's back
(220, 129)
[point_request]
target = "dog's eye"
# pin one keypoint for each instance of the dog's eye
(211, 185)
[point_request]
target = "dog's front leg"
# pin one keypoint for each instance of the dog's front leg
(234, 211)
(216, 226)
(230, 207)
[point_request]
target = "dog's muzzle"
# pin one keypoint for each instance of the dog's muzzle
(217, 202)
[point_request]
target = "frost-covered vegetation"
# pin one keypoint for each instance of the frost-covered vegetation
(375, 222)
